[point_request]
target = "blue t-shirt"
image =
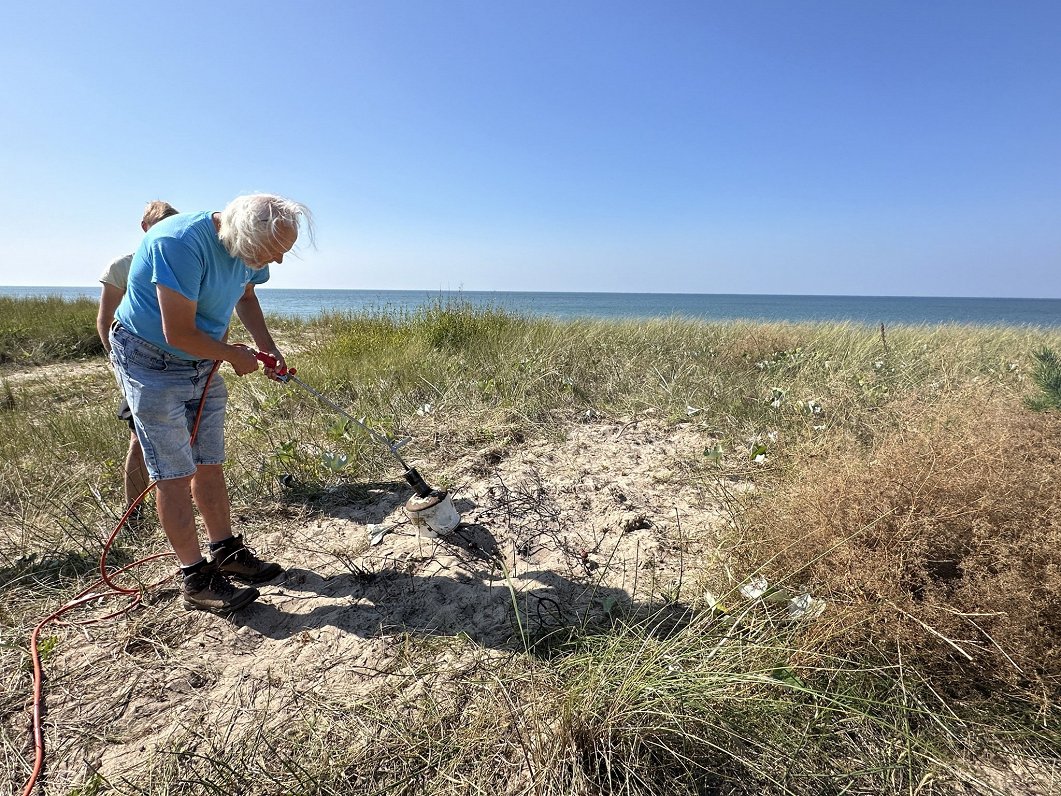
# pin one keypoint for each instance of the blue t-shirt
(184, 254)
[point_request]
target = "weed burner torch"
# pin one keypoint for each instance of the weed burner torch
(432, 507)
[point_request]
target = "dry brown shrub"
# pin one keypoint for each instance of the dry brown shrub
(943, 541)
(757, 341)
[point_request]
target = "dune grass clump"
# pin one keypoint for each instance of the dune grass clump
(745, 702)
(61, 455)
(46, 329)
(941, 542)
(1047, 376)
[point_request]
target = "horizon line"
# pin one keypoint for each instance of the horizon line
(586, 292)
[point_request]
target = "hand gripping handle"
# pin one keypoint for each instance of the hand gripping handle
(270, 362)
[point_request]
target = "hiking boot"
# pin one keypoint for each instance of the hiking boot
(209, 590)
(236, 560)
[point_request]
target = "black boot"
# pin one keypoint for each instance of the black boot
(236, 560)
(208, 590)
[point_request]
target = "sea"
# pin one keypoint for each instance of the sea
(868, 310)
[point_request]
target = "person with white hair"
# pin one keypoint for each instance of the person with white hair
(191, 271)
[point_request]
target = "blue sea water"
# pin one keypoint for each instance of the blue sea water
(871, 310)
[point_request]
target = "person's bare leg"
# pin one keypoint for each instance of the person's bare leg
(234, 559)
(211, 498)
(136, 478)
(207, 589)
(177, 515)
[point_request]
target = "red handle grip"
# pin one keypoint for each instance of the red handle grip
(270, 362)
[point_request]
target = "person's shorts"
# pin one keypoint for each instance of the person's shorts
(163, 393)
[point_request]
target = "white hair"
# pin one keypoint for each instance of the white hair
(249, 222)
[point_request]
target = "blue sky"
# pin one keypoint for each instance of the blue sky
(887, 148)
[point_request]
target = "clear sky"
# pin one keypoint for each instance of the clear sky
(761, 146)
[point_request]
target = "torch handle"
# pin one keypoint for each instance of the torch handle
(270, 362)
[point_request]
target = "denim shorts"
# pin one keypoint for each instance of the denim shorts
(164, 392)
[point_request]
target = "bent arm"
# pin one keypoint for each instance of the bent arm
(249, 311)
(178, 325)
(109, 299)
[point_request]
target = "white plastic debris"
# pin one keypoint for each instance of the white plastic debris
(804, 606)
(755, 588)
(376, 533)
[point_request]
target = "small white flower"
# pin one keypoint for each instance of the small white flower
(426, 409)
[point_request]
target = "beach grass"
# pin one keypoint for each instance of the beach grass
(903, 479)
(47, 329)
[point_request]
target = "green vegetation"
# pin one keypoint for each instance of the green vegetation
(1048, 378)
(900, 477)
(46, 329)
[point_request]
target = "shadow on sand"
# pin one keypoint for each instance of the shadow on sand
(459, 585)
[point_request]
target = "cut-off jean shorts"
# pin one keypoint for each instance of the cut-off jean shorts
(164, 392)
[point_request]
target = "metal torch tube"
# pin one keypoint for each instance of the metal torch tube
(374, 434)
